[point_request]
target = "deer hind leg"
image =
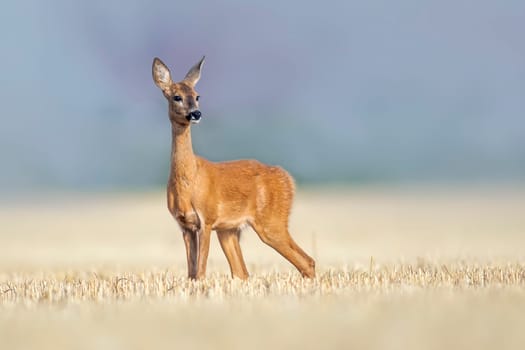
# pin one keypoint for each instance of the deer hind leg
(229, 240)
(279, 239)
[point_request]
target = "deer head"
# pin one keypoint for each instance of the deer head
(182, 98)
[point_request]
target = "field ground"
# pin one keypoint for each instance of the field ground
(398, 268)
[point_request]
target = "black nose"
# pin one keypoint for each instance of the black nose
(195, 115)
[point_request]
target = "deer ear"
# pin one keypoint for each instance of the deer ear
(161, 74)
(194, 74)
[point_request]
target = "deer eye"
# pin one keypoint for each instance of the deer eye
(197, 98)
(177, 98)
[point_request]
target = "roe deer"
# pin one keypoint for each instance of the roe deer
(224, 197)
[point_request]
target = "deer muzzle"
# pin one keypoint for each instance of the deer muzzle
(194, 116)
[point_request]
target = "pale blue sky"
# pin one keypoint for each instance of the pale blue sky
(332, 90)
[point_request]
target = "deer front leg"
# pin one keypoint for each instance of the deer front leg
(190, 225)
(191, 242)
(203, 250)
(197, 249)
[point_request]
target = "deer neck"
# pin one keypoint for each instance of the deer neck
(183, 161)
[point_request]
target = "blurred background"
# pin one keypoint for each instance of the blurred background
(335, 91)
(412, 112)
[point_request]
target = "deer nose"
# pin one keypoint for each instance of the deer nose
(195, 115)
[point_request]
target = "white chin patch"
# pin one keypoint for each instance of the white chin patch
(193, 121)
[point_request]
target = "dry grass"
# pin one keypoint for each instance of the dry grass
(106, 288)
(448, 271)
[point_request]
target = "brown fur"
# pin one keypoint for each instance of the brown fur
(205, 196)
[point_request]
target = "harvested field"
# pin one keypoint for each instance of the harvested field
(410, 268)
